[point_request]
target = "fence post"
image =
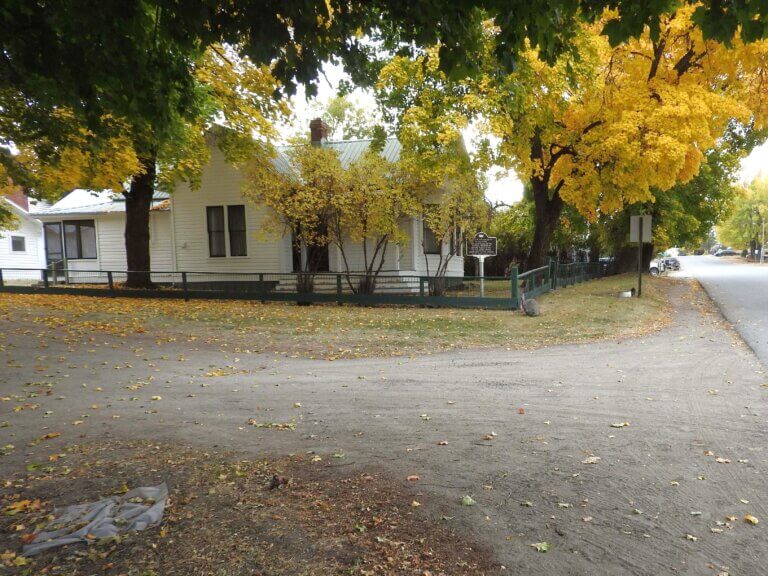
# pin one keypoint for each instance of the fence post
(421, 291)
(338, 289)
(111, 283)
(262, 290)
(45, 277)
(514, 288)
(1, 277)
(551, 273)
(184, 286)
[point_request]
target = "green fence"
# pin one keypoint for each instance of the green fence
(341, 288)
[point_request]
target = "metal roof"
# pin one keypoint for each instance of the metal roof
(81, 201)
(349, 151)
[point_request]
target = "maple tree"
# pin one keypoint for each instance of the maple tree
(613, 127)
(318, 202)
(744, 225)
(233, 92)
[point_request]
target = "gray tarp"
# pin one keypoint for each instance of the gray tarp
(133, 511)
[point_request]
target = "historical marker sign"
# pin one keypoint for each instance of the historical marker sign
(482, 245)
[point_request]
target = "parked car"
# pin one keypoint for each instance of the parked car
(726, 252)
(657, 266)
(698, 252)
(715, 248)
(672, 263)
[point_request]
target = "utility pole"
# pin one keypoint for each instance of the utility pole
(640, 257)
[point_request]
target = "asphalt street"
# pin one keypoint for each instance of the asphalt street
(740, 290)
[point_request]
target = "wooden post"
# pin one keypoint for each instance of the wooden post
(262, 289)
(111, 283)
(421, 291)
(514, 288)
(45, 277)
(1, 277)
(338, 289)
(184, 286)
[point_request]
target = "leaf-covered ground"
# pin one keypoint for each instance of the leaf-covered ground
(581, 313)
(231, 517)
(640, 456)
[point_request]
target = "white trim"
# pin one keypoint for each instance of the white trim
(174, 256)
(227, 248)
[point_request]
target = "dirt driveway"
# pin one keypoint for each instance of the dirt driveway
(625, 457)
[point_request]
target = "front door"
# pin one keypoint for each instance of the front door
(54, 247)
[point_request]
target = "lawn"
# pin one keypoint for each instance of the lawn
(578, 313)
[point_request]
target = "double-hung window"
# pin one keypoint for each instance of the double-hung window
(226, 225)
(80, 239)
(236, 223)
(216, 240)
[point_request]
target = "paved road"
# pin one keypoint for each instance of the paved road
(741, 292)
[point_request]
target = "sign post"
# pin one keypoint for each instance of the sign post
(640, 232)
(482, 247)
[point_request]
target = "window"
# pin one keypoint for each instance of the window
(18, 244)
(80, 239)
(236, 223)
(431, 243)
(233, 227)
(216, 243)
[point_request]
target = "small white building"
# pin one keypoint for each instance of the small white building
(214, 229)
(22, 245)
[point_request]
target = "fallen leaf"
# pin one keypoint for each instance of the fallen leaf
(467, 500)
(591, 460)
(749, 519)
(541, 546)
(413, 478)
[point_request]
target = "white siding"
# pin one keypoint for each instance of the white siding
(110, 242)
(221, 186)
(356, 258)
(33, 255)
(110, 239)
(455, 265)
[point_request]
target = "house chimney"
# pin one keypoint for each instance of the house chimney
(19, 198)
(318, 131)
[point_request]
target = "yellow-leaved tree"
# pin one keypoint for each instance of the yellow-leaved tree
(745, 226)
(613, 127)
(232, 92)
(318, 202)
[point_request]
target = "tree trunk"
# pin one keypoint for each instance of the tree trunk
(546, 216)
(138, 201)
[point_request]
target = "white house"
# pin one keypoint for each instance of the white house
(85, 231)
(21, 246)
(214, 229)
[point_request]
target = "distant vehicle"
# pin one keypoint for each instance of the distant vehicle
(607, 265)
(672, 263)
(657, 267)
(682, 253)
(726, 252)
(698, 252)
(715, 248)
